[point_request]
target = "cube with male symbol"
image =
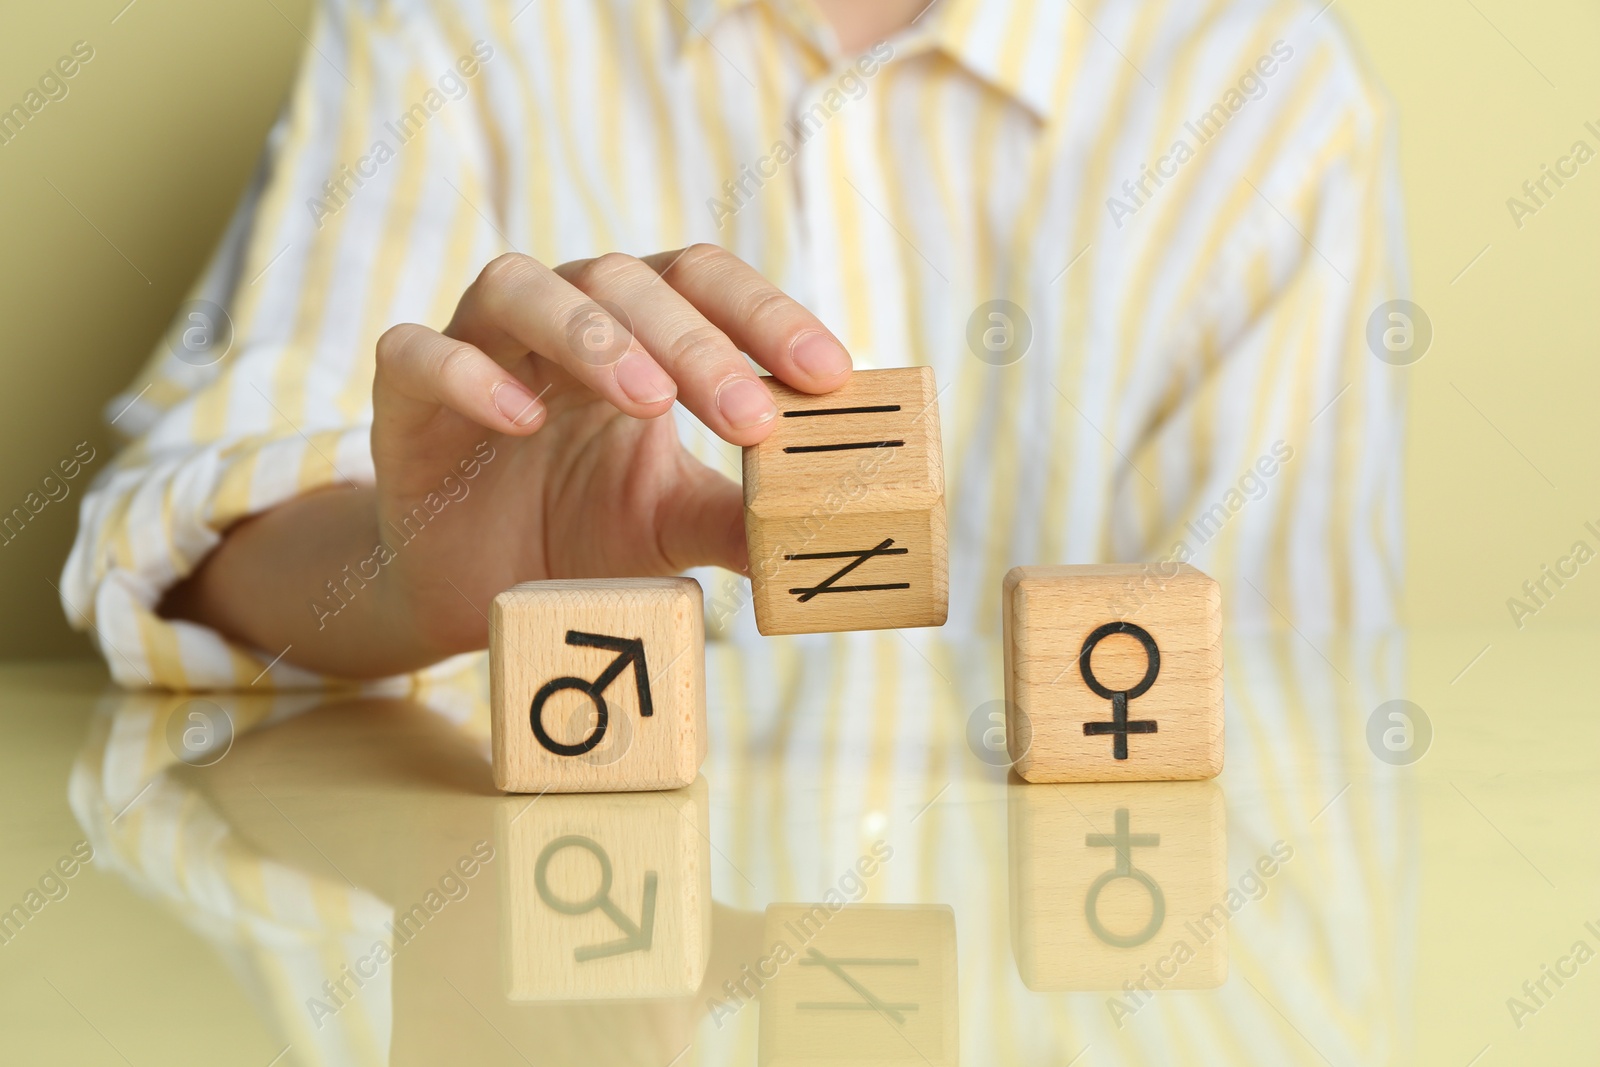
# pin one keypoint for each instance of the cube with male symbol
(597, 685)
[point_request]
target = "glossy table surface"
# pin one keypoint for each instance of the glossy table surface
(856, 878)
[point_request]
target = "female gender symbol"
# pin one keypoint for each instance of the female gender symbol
(1124, 843)
(1119, 724)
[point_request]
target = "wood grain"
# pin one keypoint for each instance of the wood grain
(840, 476)
(661, 836)
(903, 956)
(1063, 841)
(529, 648)
(1049, 612)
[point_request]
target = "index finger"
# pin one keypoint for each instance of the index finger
(773, 328)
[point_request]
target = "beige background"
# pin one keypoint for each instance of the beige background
(111, 198)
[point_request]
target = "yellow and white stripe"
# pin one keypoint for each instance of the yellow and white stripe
(820, 747)
(1171, 348)
(284, 929)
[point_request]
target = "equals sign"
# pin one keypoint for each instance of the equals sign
(873, 409)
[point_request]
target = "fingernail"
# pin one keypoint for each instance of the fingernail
(745, 402)
(642, 380)
(515, 403)
(820, 356)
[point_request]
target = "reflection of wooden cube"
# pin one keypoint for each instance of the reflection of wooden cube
(869, 984)
(598, 685)
(606, 896)
(1109, 879)
(844, 508)
(1113, 673)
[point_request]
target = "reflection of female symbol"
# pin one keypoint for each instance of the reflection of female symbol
(1119, 724)
(638, 935)
(1124, 843)
(632, 652)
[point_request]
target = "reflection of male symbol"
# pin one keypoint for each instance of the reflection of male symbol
(1119, 724)
(1124, 843)
(632, 651)
(638, 935)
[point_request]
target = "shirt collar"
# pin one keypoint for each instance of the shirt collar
(1013, 46)
(694, 15)
(695, 18)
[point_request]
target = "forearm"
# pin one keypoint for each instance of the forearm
(300, 578)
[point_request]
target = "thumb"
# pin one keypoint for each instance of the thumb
(701, 520)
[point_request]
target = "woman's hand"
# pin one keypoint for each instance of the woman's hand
(569, 374)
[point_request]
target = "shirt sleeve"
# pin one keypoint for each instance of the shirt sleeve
(373, 207)
(1277, 445)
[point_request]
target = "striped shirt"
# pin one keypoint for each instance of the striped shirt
(1139, 244)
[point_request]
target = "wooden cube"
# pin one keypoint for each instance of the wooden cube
(605, 897)
(1117, 882)
(597, 685)
(844, 508)
(866, 984)
(1113, 672)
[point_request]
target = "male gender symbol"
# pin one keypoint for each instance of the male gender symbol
(637, 936)
(632, 651)
(1119, 726)
(1124, 843)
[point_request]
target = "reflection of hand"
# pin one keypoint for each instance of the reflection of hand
(550, 389)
